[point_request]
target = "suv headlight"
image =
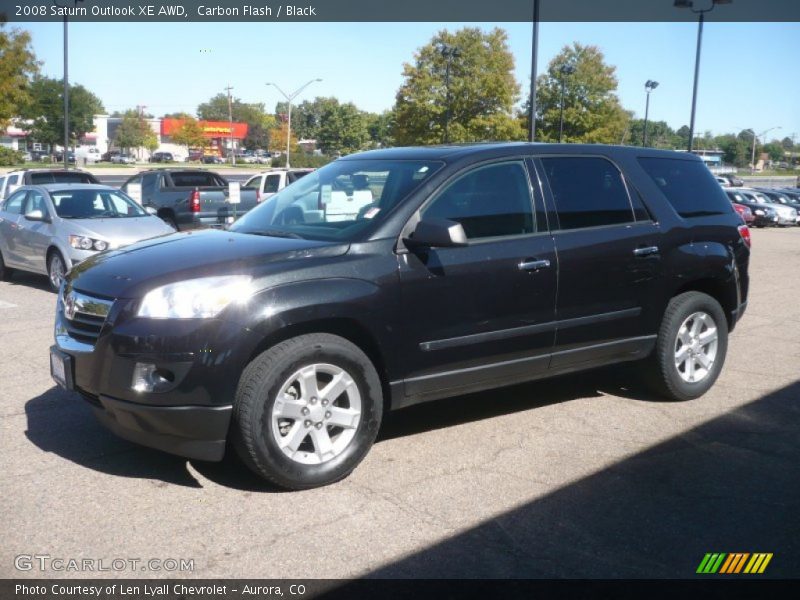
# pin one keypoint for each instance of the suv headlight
(81, 242)
(202, 298)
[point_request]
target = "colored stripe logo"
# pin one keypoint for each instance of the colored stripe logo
(734, 563)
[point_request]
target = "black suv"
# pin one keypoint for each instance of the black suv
(398, 276)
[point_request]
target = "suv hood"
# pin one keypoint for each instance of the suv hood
(132, 271)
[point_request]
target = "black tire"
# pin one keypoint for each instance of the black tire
(52, 259)
(258, 390)
(5, 272)
(170, 220)
(662, 374)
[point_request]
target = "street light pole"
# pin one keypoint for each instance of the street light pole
(649, 86)
(449, 52)
(66, 94)
(690, 5)
(534, 57)
(565, 70)
(755, 137)
(289, 98)
(230, 124)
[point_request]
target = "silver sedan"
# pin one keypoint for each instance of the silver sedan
(50, 228)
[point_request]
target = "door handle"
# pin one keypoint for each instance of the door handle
(533, 265)
(646, 251)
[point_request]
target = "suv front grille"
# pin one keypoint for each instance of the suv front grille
(84, 315)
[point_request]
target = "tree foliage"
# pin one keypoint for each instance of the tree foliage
(189, 134)
(259, 122)
(482, 94)
(592, 110)
(135, 132)
(342, 129)
(46, 111)
(17, 67)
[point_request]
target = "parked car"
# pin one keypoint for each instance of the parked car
(107, 156)
(59, 157)
(194, 155)
(51, 228)
(765, 215)
(162, 157)
(190, 198)
(744, 212)
(212, 159)
(292, 335)
(11, 181)
(779, 197)
(270, 182)
(89, 155)
(724, 182)
(786, 216)
(123, 159)
(733, 180)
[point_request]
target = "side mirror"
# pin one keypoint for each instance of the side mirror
(436, 233)
(150, 210)
(36, 215)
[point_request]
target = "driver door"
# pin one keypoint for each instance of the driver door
(34, 236)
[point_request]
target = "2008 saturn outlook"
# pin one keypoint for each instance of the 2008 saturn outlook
(467, 268)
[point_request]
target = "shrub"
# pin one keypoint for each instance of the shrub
(9, 157)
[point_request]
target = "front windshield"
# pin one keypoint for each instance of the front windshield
(95, 204)
(337, 202)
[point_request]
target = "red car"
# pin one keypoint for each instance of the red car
(744, 212)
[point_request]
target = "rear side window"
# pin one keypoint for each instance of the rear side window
(588, 192)
(40, 178)
(490, 201)
(688, 186)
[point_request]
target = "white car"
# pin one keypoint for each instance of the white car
(274, 180)
(123, 159)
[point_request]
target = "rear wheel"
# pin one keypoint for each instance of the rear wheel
(307, 411)
(56, 269)
(691, 347)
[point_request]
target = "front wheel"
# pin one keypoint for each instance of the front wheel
(56, 269)
(691, 347)
(307, 411)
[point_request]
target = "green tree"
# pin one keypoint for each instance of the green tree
(343, 128)
(775, 150)
(659, 134)
(17, 67)
(259, 121)
(482, 92)
(135, 132)
(592, 110)
(46, 111)
(380, 127)
(189, 134)
(787, 143)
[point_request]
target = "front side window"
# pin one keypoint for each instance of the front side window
(489, 201)
(272, 183)
(35, 202)
(588, 192)
(338, 202)
(14, 204)
(94, 204)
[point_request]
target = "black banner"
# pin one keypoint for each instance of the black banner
(496, 11)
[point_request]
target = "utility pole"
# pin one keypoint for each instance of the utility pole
(230, 124)
(534, 58)
(66, 95)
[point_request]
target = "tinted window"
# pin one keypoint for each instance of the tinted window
(95, 204)
(66, 177)
(688, 186)
(271, 184)
(293, 176)
(488, 201)
(196, 179)
(14, 204)
(588, 192)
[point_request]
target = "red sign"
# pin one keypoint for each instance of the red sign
(211, 129)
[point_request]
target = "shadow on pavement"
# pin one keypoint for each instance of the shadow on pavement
(31, 280)
(731, 484)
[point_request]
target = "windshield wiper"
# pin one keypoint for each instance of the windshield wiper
(278, 233)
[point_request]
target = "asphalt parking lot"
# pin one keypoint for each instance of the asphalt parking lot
(582, 476)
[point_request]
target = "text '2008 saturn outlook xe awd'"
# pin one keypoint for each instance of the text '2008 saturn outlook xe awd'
(442, 271)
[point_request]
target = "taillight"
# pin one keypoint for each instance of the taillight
(744, 231)
(194, 201)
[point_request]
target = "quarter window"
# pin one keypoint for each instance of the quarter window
(490, 201)
(588, 192)
(687, 185)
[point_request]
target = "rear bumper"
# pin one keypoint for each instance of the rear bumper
(197, 432)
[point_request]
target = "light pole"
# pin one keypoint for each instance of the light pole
(565, 70)
(449, 52)
(690, 5)
(230, 124)
(534, 56)
(289, 98)
(66, 84)
(755, 137)
(649, 86)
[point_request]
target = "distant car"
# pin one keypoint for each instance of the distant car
(765, 215)
(744, 212)
(779, 197)
(271, 182)
(59, 157)
(90, 155)
(12, 180)
(724, 182)
(51, 228)
(211, 159)
(733, 180)
(194, 155)
(123, 159)
(107, 156)
(162, 157)
(785, 215)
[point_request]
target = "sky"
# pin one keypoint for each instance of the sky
(748, 72)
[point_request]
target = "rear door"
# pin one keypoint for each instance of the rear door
(608, 260)
(482, 314)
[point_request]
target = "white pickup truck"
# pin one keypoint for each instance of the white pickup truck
(273, 180)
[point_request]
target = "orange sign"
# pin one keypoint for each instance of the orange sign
(211, 129)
